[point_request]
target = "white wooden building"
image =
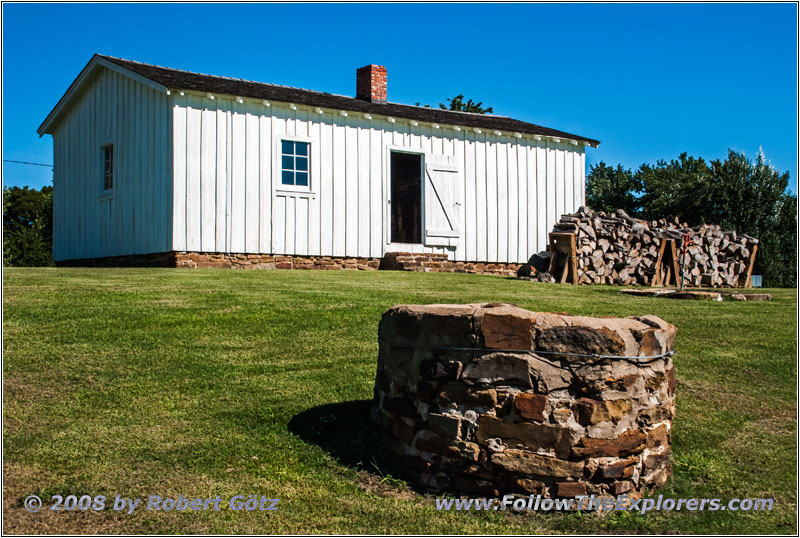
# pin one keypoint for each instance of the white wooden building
(149, 159)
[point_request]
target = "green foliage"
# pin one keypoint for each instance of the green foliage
(751, 198)
(27, 226)
(737, 193)
(682, 188)
(612, 188)
(457, 103)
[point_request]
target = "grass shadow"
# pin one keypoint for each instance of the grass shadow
(344, 430)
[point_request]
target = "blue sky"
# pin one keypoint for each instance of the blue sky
(649, 81)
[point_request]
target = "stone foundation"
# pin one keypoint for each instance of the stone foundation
(396, 261)
(269, 261)
(439, 263)
(492, 399)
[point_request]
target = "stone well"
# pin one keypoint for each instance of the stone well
(494, 399)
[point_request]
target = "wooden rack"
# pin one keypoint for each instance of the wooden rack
(564, 262)
(748, 283)
(563, 257)
(667, 269)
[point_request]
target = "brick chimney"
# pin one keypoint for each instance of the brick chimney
(371, 83)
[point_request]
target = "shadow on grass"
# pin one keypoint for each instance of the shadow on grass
(344, 431)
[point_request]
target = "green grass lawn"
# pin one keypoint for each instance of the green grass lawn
(222, 382)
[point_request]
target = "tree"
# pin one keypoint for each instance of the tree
(751, 197)
(457, 103)
(682, 188)
(777, 259)
(27, 226)
(608, 189)
(737, 193)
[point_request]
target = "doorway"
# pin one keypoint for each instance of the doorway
(406, 197)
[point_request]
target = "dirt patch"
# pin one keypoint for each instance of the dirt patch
(19, 481)
(376, 485)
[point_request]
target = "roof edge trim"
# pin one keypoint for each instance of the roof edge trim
(77, 85)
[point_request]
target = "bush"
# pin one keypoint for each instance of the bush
(27, 226)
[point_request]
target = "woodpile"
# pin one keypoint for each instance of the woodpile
(613, 248)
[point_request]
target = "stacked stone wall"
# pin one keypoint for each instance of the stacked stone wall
(395, 261)
(440, 263)
(492, 398)
(274, 261)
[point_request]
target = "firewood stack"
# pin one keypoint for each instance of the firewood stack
(613, 248)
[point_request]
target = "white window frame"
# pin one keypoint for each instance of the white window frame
(297, 190)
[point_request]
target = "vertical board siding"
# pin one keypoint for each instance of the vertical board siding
(179, 171)
(252, 179)
(481, 197)
(542, 200)
(583, 177)
(470, 210)
(238, 177)
(324, 181)
(225, 194)
(492, 235)
(376, 195)
(208, 176)
(193, 187)
(220, 159)
(553, 189)
(363, 201)
(135, 217)
(264, 184)
(523, 220)
(569, 180)
(351, 186)
(513, 201)
(339, 187)
(503, 201)
(216, 186)
(559, 180)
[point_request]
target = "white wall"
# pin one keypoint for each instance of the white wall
(135, 218)
(511, 190)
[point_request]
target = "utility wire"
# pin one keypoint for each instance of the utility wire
(26, 162)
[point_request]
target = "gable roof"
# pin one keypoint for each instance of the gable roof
(185, 80)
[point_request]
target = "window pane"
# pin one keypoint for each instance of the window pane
(287, 146)
(287, 178)
(108, 167)
(287, 162)
(302, 163)
(301, 148)
(302, 179)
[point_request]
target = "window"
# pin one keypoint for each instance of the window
(108, 167)
(294, 163)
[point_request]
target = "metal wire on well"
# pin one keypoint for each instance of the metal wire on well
(638, 360)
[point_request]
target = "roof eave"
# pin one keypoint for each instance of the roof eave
(560, 135)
